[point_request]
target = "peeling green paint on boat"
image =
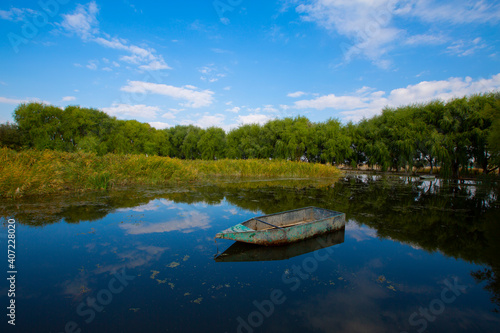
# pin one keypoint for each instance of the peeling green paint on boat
(240, 228)
(306, 223)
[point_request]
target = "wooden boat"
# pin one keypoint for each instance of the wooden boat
(285, 227)
(427, 177)
(241, 252)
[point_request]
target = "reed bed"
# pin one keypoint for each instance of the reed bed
(33, 172)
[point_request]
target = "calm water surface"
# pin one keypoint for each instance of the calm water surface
(415, 255)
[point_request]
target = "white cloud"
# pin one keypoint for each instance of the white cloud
(366, 23)
(146, 57)
(155, 65)
(113, 43)
(217, 50)
(83, 22)
(159, 125)
(330, 101)
(92, 64)
(373, 26)
(270, 108)
(456, 11)
(6, 100)
(367, 102)
(68, 98)
(16, 14)
(168, 115)
(132, 59)
(211, 73)
(7, 15)
(444, 89)
(176, 110)
(463, 48)
(276, 34)
(254, 110)
(135, 111)
(254, 119)
(296, 94)
(211, 120)
(194, 98)
(235, 109)
(426, 39)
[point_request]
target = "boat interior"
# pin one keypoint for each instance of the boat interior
(288, 219)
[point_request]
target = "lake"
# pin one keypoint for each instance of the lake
(415, 256)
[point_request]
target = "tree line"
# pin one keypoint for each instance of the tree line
(454, 136)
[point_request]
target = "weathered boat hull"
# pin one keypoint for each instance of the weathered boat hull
(242, 252)
(286, 227)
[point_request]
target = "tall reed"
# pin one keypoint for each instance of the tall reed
(42, 172)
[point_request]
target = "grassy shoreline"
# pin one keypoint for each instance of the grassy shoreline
(33, 172)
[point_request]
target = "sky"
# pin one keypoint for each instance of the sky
(226, 63)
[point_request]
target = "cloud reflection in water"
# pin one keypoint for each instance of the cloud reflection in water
(192, 220)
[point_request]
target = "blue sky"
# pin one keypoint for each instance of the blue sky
(230, 62)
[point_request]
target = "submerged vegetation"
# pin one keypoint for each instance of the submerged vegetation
(43, 172)
(451, 138)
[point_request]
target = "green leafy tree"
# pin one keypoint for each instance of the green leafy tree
(492, 111)
(212, 144)
(189, 147)
(336, 145)
(10, 136)
(40, 125)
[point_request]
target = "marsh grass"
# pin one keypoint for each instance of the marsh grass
(42, 172)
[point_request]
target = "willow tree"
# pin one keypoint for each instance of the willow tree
(40, 125)
(492, 111)
(189, 147)
(212, 143)
(336, 145)
(247, 141)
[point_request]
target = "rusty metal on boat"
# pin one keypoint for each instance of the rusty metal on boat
(285, 227)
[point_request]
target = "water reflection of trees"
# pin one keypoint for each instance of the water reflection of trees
(461, 220)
